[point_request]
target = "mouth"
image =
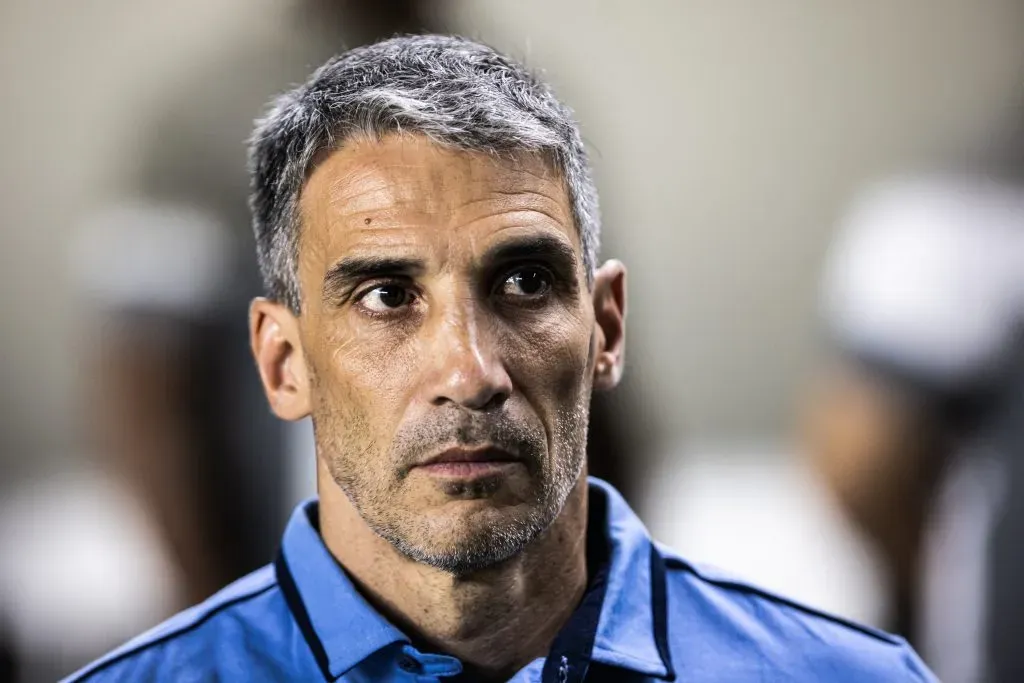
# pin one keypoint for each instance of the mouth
(469, 463)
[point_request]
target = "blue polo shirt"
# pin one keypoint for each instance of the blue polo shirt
(647, 615)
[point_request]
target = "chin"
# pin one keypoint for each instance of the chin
(473, 521)
(470, 535)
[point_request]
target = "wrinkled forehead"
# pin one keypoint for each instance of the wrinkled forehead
(405, 188)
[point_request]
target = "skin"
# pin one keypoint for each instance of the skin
(446, 305)
(880, 455)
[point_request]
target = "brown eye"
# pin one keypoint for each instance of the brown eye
(527, 282)
(386, 298)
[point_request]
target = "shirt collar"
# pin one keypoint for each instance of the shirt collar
(632, 629)
(343, 629)
(340, 626)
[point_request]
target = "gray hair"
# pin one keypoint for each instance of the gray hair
(452, 90)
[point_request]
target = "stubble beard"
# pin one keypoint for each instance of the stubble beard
(465, 544)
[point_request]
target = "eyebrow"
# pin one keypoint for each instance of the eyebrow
(539, 247)
(350, 271)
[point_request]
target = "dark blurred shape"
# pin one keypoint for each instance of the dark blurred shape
(917, 424)
(1005, 597)
(8, 666)
(613, 442)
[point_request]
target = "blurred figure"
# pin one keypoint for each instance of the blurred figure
(169, 267)
(923, 301)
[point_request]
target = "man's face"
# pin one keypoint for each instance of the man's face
(448, 336)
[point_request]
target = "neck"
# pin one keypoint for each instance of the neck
(495, 621)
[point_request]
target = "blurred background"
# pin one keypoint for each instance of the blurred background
(821, 206)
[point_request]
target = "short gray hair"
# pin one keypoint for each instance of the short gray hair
(452, 90)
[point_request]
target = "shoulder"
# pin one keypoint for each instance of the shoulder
(754, 630)
(247, 616)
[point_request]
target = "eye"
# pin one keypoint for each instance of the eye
(530, 283)
(386, 298)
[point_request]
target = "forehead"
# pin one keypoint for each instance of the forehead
(405, 188)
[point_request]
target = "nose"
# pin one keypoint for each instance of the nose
(468, 370)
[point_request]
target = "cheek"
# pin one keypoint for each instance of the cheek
(549, 357)
(362, 377)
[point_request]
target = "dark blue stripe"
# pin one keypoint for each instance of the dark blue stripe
(104, 665)
(298, 609)
(659, 611)
(735, 585)
(569, 657)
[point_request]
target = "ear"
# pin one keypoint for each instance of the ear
(274, 337)
(609, 323)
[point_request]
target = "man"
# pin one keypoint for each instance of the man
(427, 228)
(916, 427)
